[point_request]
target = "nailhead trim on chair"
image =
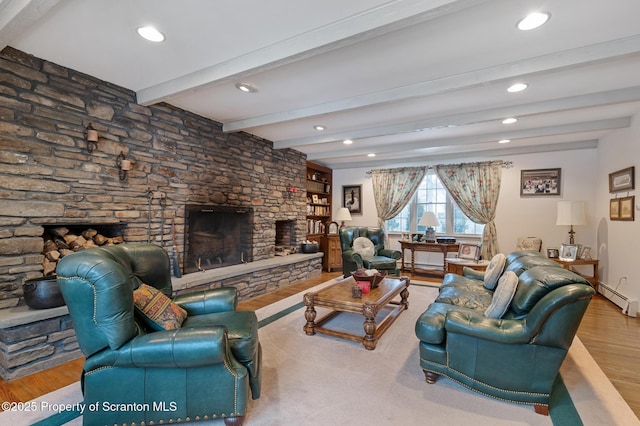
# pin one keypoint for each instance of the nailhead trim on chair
(492, 387)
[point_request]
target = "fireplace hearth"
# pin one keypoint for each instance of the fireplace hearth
(217, 236)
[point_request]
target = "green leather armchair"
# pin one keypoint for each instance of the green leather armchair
(517, 357)
(203, 370)
(382, 260)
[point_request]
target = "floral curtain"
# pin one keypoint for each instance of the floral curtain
(393, 189)
(475, 188)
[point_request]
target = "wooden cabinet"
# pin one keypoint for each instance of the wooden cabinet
(330, 246)
(319, 187)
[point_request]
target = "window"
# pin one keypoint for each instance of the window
(432, 196)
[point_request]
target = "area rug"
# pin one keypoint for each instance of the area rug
(321, 380)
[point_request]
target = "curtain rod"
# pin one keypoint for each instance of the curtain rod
(503, 164)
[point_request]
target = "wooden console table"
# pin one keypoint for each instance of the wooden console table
(571, 264)
(428, 247)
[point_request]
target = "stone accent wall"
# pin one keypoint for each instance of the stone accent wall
(47, 176)
(33, 347)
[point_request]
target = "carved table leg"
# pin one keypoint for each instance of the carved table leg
(404, 294)
(370, 311)
(310, 314)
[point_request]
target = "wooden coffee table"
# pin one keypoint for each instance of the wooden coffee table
(338, 297)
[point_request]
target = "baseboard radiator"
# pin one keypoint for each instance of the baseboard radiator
(629, 306)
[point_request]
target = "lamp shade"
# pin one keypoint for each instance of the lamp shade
(429, 219)
(571, 213)
(343, 214)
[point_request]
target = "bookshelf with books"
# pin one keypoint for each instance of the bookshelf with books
(318, 186)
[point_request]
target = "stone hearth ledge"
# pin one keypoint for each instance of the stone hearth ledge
(196, 279)
(23, 314)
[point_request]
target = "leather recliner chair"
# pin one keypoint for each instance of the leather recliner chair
(382, 260)
(202, 370)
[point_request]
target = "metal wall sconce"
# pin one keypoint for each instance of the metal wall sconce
(291, 190)
(91, 135)
(124, 165)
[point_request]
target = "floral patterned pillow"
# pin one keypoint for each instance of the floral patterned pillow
(157, 310)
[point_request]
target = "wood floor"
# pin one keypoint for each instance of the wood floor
(612, 339)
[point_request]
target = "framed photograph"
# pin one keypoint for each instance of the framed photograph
(586, 253)
(568, 252)
(539, 182)
(469, 251)
(332, 229)
(622, 180)
(553, 253)
(614, 209)
(315, 199)
(627, 208)
(352, 198)
(417, 238)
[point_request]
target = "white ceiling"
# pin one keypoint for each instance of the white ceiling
(411, 81)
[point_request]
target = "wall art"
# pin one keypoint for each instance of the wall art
(539, 182)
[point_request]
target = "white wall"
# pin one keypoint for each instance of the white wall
(618, 242)
(515, 215)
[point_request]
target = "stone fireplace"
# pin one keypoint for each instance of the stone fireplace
(217, 236)
(48, 178)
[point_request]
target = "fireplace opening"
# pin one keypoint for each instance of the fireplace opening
(217, 236)
(285, 237)
(63, 239)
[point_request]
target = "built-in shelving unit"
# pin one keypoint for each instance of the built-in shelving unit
(319, 187)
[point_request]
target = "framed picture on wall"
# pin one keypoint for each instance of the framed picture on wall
(626, 208)
(352, 198)
(539, 182)
(622, 180)
(614, 209)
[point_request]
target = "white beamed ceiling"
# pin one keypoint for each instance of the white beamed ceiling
(411, 81)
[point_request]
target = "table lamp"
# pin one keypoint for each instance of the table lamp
(571, 213)
(429, 220)
(343, 215)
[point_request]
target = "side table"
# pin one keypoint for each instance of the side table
(571, 264)
(443, 248)
(455, 265)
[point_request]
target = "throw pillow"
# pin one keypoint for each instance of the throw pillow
(157, 310)
(501, 300)
(494, 271)
(529, 243)
(364, 246)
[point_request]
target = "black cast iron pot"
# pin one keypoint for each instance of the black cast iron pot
(42, 293)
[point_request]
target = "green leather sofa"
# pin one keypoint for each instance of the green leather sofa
(516, 357)
(383, 259)
(134, 375)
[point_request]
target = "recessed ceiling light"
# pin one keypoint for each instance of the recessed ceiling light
(347, 141)
(533, 20)
(151, 34)
(319, 128)
(504, 141)
(518, 87)
(246, 87)
(371, 155)
(509, 120)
